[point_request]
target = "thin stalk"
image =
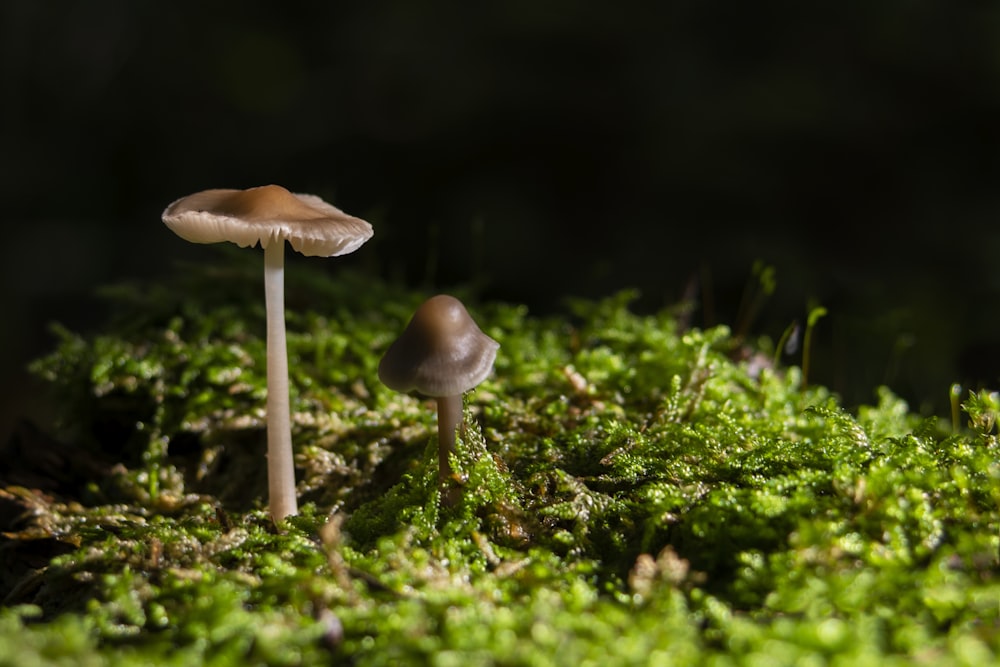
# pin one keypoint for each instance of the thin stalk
(791, 331)
(449, 418)
(814, 315)
(280, 464)
(955, 398)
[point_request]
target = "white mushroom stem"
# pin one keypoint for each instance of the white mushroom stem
(449, 418)
(280, 464)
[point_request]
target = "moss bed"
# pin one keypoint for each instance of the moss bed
(631, 494)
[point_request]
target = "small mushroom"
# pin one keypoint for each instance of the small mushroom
(441, 354)
(270, 215)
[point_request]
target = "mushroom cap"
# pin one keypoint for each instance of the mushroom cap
(265, 214)
(440, 353)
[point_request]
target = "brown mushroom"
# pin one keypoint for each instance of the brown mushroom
(441, 354)
(270, 215)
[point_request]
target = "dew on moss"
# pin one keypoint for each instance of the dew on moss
(630, 492)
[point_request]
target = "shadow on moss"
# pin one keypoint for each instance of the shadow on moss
(624, 489)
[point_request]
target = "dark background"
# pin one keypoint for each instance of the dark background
(540, 149)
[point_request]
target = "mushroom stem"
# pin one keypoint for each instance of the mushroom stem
(280, 464)
(449, 418)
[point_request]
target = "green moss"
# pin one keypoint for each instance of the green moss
(630, 493)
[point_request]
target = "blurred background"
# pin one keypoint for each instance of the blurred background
(539, 150)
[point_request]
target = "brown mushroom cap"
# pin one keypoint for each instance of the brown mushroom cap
(265, 214)
(440, 353)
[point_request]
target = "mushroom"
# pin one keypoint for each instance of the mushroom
(270, 215)
(441, 354)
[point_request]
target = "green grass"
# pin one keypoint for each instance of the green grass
(631, 494)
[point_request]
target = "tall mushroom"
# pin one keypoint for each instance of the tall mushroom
(441, 354)
(270, 215)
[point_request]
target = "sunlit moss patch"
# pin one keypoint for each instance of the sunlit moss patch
(626, 492)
